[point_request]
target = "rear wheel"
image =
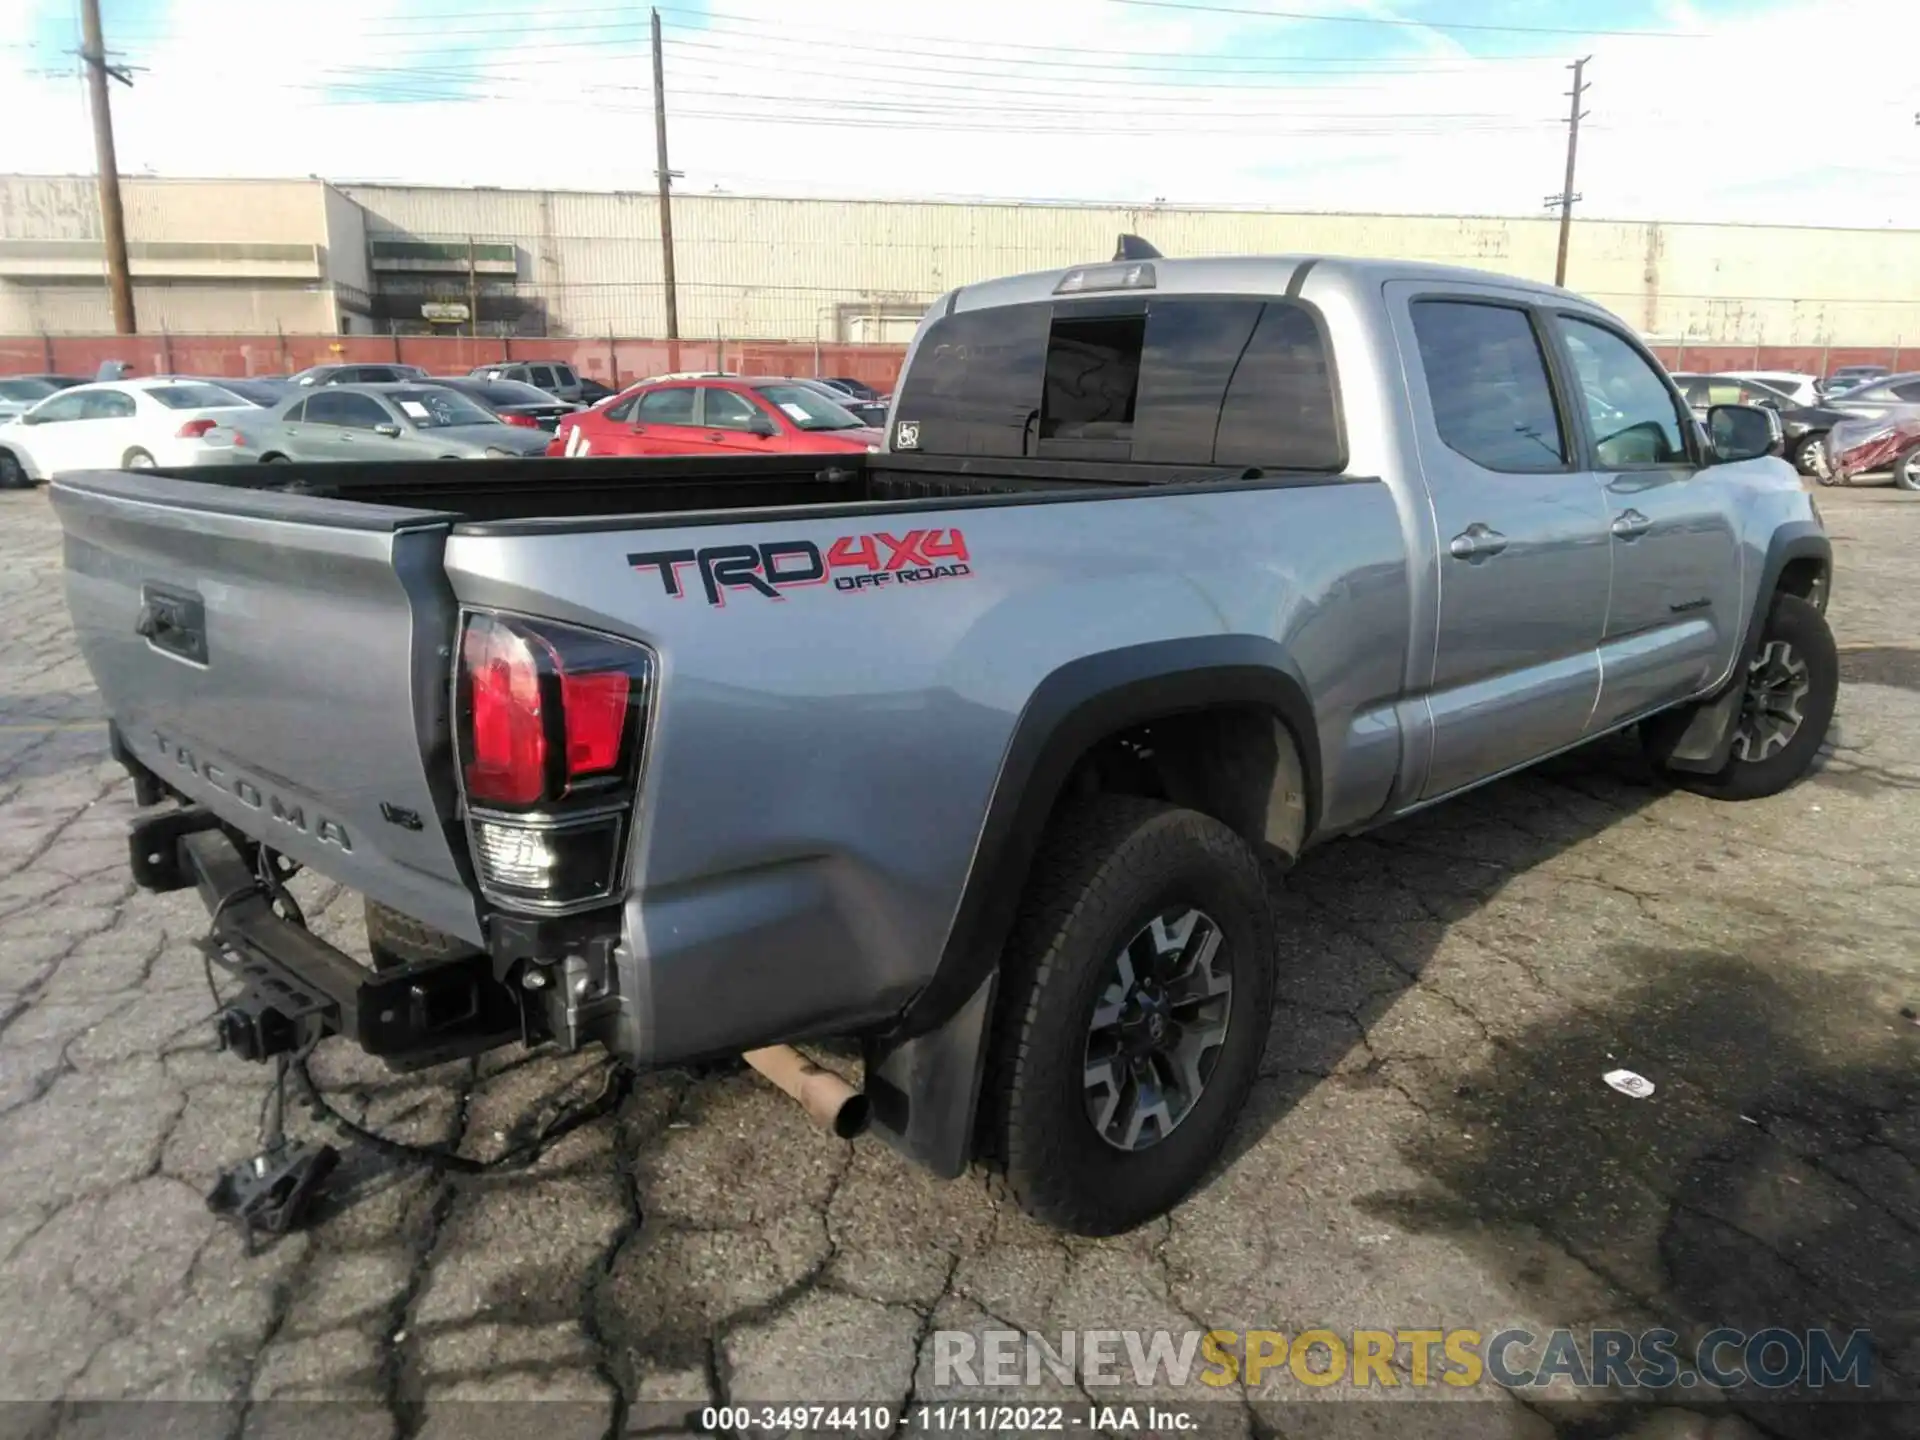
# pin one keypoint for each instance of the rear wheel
(396, 939)
(1792, 684)
(1810, 458)
(1136, 992)
(136, 459)
(13, 475)
(1906, 469)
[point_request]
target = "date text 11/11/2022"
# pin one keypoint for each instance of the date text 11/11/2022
(852, 562)
(970, 1418)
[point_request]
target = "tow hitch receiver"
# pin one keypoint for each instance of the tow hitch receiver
(297, 988)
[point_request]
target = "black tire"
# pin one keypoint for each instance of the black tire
(136, 459)
(396, 939)
(1906, 468)
(1107, 867)
(13, 475)
(1796, 624)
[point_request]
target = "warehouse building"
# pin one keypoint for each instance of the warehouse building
(308, 256)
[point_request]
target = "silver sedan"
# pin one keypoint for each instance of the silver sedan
(378, 423)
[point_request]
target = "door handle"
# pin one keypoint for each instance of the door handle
(1631, 525)
(1477, 542)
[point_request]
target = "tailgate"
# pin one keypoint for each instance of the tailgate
(284, 660)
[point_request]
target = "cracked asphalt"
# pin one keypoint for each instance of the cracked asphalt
(1430, 1144)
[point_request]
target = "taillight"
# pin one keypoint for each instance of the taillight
(521, 422)
(551, 723)
(194, 429)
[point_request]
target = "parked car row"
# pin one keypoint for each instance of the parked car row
(1850, 394)
(352, 412)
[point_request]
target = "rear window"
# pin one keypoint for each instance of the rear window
(194, 397)
(1177, 381)
(512, 392)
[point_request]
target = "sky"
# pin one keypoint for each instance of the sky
(1750, 111)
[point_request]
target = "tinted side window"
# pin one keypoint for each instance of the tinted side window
(61, 407)
(729, 411)
(1487, 378)
(1280, 412)
(1093, 378)
(1634, 419)
(107, 405)
(563, 374)
(344, 408)
(666, 407)
(1908, 391)
(622, 410)
(296, 415)
(1191, 350)
(975, 382)
(543, 376)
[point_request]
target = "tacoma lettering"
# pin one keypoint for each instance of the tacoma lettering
(248, 793)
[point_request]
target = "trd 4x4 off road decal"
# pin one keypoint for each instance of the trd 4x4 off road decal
(853, 562)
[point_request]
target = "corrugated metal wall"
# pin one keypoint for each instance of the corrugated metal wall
(795, 268)
(589, 264)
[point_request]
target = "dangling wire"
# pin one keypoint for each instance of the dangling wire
(271, 872)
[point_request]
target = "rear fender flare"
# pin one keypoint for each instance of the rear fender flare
(925, 1072)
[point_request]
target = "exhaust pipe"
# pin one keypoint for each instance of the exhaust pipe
(831, 1102)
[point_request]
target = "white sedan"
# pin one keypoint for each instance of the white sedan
(119, 425)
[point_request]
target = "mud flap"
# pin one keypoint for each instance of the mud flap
(1696, 738)
(924, 1091)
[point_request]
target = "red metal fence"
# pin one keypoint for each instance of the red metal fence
(611, 360)
(616, 361)
(1798, 359)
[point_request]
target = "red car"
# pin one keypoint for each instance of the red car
(737, 415)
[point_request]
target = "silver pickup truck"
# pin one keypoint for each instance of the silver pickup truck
(968, 750)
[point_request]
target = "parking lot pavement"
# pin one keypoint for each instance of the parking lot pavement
(1431, 1143)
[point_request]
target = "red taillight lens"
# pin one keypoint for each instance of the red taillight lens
(521, 422)
(550, 715)
(507, 753)
(552, 719)
(596, 710)
(194, 429)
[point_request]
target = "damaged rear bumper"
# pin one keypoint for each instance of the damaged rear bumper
(298, 988)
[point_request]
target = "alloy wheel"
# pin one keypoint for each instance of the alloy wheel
(1770, 712)
(1157, 1028)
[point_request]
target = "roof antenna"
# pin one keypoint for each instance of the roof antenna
(1132, 247)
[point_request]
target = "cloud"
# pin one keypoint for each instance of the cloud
(1070, 99)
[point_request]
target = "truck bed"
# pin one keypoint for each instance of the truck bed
(491, 491)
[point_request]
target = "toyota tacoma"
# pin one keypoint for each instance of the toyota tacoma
(969, 750)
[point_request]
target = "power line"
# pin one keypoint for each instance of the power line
(915, 102)
(1323, 18)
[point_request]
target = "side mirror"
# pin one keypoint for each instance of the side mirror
(1744, 432)
(390, 430)
(762, 425)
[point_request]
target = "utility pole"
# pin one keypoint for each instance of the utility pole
(1566, 197)
(665, 177)
(113, 222)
